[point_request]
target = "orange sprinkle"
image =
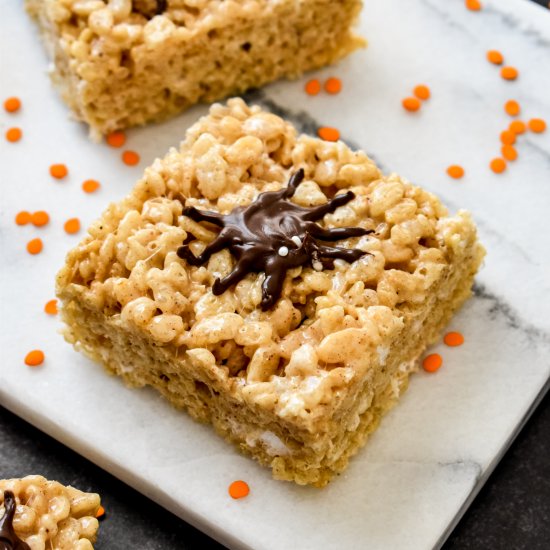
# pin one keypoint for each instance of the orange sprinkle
(411, 104)
(512, 107)
(12, 104)
(131, 158)
(23, 218)
(34, 358)
(116, 139)
(89, 186)
(333, 86)
(517, 126)
(508, 137)
(455, 171)
(312, 87)
(495, 57)
(473, 5)
(432, 362)
(509, 73)
(537, 125)
(72, 226)
(40, 218)
(35, 246)
(422, 92)
(453, 339)
(498, 165)
(58, 171)
(14, 134)
(509, 152)
(328, 134)
(239, 489)
(51, 307)
(100, 512)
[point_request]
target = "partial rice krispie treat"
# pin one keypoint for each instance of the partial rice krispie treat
(38, 514)
(278, 286)
(121, 63)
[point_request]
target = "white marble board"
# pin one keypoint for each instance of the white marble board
(431, 455)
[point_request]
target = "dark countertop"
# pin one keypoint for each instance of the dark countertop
(512, 511)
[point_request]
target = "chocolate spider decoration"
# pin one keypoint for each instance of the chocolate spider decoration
(8, 539)
(273, 234)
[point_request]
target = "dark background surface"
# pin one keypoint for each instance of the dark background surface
(512, 511)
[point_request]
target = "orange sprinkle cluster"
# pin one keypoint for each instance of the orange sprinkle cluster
(14, 134)
(130, 158)
(333, 86)
(58, 171)
(473, 5)
(413, 103)
(328, 134)
(239, 489)
(512, 107)
(35, 246)
(34, 358)
(116, 139)
(12, 104)
(100, 514)
(51, 307)
(90, 186)
(312, 87)
(72, 226)
(432, 362)
(455, 171)
(453, 339)
(23, 218)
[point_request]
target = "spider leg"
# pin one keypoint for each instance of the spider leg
(337, 233)
(273, 283)
(203, 215)
(239, 272)
(330, 206)
(348, 254)
(293, 183)
(216, 245)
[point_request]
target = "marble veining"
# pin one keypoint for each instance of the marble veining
(434, 451)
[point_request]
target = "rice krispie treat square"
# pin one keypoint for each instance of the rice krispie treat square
(38, 514)
(277, 286)
(121, 63)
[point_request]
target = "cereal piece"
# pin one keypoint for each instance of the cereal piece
(455, 171)
(14, 134)
(120, 63)
(432, 362)
(45, 514)
(58, 171)
(411, 104)
(508, 137)
(51, 307)
(239, 489)
(498, 165)
(35, 246)
(312, 87)
(509, 152)
(517, 127)
(23, 218)
(537, 125)
(34, 358)
(453, 339)
(328, 134)
(495, 57)
(116, 139)
(40, 218)
(90, 186)
(72, 226)
(509, 73)
(130, 158)
(473, 5)
(295, 355)
(512, 107)
(12, 104)
(333, 86)
(422, 92)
